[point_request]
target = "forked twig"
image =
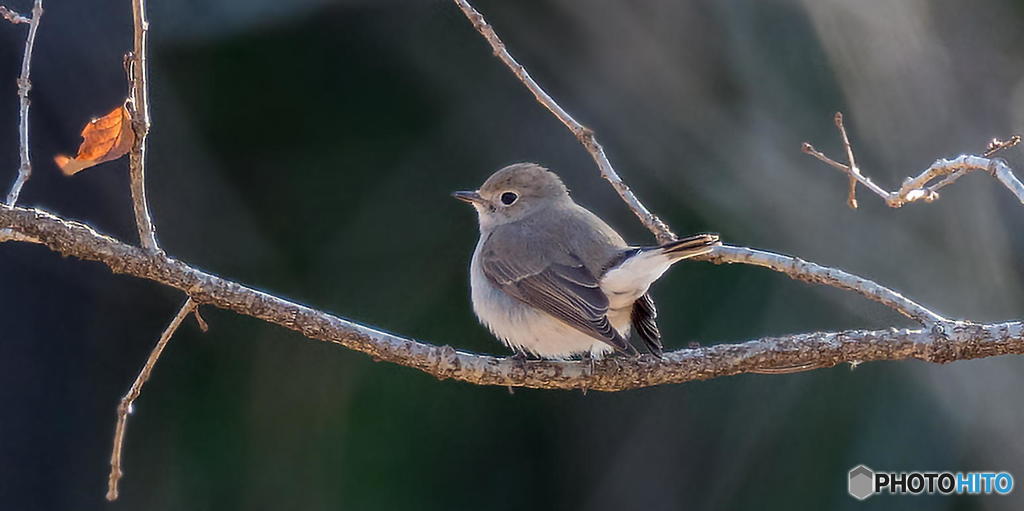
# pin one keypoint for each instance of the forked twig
(12, 16)
(125, 407)
(24, 86)
(924, 186)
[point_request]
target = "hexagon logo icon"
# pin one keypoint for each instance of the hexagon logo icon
(861, 483)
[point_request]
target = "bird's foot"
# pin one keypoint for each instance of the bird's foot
(588, 359)
(519, 357)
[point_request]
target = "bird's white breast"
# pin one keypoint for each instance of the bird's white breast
(524, 327)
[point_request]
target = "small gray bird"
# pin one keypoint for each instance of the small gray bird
(551, 279)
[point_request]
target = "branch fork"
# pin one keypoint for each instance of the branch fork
(924, 186)
(13, 16)
(24, 86)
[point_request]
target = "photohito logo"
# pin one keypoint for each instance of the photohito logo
(864, 482)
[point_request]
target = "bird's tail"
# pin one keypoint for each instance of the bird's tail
(638, 268)
(690, 246)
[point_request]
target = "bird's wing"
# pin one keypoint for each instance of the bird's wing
(565, 289)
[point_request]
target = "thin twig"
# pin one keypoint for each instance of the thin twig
(996, 145)
(921, 187)
(139, 102)
(944, 341)
(583, 134)
(931, 192)
(203, 326)
(813, 273)
(24, 86)
(12, 16)
(851, 199)
(850, 170)
(125, 407)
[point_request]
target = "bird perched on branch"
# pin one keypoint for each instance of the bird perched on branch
(551, 279)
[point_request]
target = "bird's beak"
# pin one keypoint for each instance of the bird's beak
(470, 197)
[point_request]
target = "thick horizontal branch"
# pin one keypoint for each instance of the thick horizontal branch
(944, 342)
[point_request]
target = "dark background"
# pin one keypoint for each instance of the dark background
(307, 148)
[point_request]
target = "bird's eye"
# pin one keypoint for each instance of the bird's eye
(508, 198)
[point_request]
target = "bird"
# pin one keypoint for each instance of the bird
(552, 280)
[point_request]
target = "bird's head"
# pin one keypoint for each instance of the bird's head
(515, 192)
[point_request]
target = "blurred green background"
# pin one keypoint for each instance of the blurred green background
(308, 148)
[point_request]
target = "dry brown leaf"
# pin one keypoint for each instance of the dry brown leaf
(107, 138)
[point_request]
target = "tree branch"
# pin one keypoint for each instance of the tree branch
(921, 187)
(125, 407)
(24, 86)
(946, 341)
(583, 134)
(139, 102)
(12, 16)
(806, 271)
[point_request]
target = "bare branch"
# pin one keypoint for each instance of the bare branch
(583, 134)
(125, 407)
(799, 269)
(12, 16)
(139, 103)
(852, 170)
(24, 86)
(945, 341)
(203, 326)
(922, 187)
(996, 145)
(1004, 175)
(851, 199)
